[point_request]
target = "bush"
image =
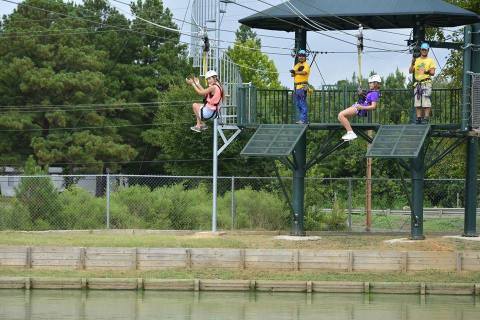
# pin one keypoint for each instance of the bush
(14, 216)
(81, 210)
(260, 210)
(39, 196)
(317, 219)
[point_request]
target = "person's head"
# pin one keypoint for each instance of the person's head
(211, 77)
(301, 55)
(424, 48)
(374, 82)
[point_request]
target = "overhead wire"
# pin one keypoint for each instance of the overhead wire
(300, 26)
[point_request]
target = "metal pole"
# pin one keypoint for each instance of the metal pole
(215, 121)
(233, 208)
(300, 157)
(108, 199)
(350, 204)
(471, 189)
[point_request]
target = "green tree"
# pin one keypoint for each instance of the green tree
(89, 77)
(255, 66)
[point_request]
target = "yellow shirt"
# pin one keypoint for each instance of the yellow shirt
(301, 78)
(422, 65)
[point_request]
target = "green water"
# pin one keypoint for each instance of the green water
(66, 305)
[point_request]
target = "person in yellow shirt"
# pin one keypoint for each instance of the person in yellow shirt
(300, 74)
(423, 69)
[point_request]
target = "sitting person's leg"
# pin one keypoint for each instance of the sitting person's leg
(344, 117)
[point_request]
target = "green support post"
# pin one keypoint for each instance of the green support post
(470, 224)
(300, 157)
(417, 167)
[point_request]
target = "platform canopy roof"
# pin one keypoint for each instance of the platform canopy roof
(348, 14)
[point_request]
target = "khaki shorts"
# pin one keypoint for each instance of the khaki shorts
(423, 101)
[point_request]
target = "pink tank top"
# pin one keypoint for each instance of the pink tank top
(213, 101)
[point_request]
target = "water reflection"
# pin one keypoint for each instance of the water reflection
(65, 305)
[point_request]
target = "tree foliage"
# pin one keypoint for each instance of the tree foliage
(255, 66)
(79, 83)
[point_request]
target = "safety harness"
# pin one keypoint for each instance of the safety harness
(216, 112)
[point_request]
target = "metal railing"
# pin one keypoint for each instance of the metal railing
(395, 106)
(65, 202)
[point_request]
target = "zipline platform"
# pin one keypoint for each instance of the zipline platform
(398, 141)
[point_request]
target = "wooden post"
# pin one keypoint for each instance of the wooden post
(459, 261)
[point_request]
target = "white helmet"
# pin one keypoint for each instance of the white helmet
(210, 73)
(375, 78)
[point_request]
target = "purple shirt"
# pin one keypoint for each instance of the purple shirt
(372, 96)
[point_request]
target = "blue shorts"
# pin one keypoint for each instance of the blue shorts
(207, 113)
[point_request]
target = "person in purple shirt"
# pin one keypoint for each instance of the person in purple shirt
(361, 108)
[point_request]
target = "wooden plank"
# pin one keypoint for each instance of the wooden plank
(161, 258)
(268, 259)
(377, 261)
(110, 258)
(169, 284)
(13, 256)
(338, 287)
(471, 261)
(55, 283)
(224, 285)
(426, 260)
(281, 286)
(112, 283)
(216, 258)
(55, 257)
(450, 288)
(395, 287)
(12, 282)
(312, 260)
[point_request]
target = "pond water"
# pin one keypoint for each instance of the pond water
(143, 305)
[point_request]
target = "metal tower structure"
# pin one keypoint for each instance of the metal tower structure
(207, 16)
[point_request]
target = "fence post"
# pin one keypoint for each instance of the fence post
(107, 196)
(350, 204)
(232, 205)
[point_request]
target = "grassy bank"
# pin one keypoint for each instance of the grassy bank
(125, 238)
(430, 276)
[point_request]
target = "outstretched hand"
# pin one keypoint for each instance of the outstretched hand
(189, 80)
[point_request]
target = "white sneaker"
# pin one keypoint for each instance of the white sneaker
(349, 136)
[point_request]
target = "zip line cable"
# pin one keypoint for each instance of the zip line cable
(325, 27)
(300, 26)
(96, 127)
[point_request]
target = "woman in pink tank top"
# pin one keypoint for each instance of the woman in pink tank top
(213, 98)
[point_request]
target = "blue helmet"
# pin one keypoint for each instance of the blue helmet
(301, 53)
(425, 46)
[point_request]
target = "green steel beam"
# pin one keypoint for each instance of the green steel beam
(300, 159)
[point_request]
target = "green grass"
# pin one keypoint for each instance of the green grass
(402, 223)
(430, 276)
(139, 238)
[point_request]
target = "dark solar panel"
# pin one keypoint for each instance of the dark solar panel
(400, 141)
(274, 140)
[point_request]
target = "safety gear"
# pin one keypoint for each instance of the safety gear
(301, 53)
(210, 73)
(375, 78)
(425, 46)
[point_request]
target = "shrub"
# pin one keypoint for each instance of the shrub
(260, 210)
(14, 216)
(81, 210)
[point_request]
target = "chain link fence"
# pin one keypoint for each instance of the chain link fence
(61, 202)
